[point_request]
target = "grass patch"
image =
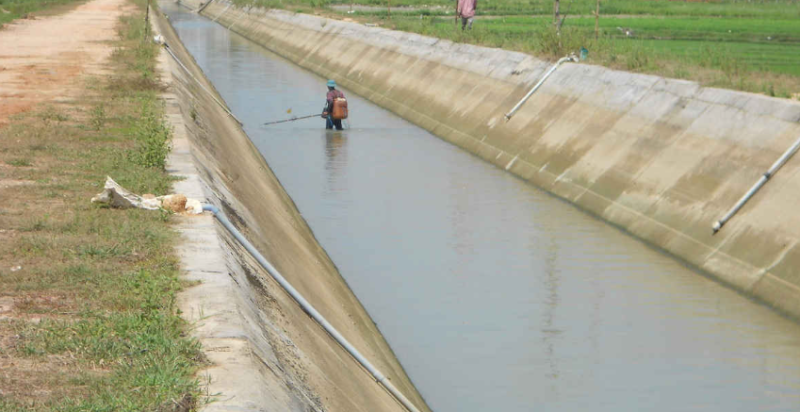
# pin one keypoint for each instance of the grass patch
(782, 9)
(152, 138)
(758, 65)
(19, 162)
(14, 9)
(94, 325)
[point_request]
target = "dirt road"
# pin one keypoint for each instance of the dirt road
(40, 59)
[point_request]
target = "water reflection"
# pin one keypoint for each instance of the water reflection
(550, 332)
(335, 153)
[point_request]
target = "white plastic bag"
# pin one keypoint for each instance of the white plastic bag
(115, 195)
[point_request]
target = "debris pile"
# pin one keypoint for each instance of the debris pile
(115, 195)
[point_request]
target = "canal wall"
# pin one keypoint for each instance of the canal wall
(265, 352)
(661, 159)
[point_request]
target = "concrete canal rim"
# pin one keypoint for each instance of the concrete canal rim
(661, 159)
(270, 353)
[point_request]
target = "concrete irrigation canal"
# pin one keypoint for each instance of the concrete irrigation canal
(494, 295)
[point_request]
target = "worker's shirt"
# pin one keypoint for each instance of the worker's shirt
(466, 8)
(333, 94)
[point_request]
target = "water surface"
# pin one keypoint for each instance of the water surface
(494, 295)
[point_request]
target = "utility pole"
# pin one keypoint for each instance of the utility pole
(147, 22)
(389, 8)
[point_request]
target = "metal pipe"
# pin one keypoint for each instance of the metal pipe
(570, 58)
(203, 7)
(761, 182)
(308, 308)
(166, 47)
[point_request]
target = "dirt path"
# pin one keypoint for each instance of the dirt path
(40, 59)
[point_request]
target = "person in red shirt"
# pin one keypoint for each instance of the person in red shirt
(466, 10)
(330, 122)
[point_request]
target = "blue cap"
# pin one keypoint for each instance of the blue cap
(331, 83)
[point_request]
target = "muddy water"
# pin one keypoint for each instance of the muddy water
(493, 294)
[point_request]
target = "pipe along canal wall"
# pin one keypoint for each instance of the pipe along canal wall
(661, 159)
(301, 367)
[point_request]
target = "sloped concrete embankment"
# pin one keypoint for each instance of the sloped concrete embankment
(268, 354)
(662, 159)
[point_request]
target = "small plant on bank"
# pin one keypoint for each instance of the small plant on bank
(152, 138)
(51, 115)
(638, 58)
(19, 162)
(98, 116)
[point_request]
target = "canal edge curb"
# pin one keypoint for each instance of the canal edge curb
(210, 306)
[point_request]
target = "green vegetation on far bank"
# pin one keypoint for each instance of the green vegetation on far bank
(771, 68)
(781, 9)
(745, 45)
(94, 324)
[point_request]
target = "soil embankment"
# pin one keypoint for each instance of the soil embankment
(302, 367)
(41, 58)
(87, 292)
(662, 159)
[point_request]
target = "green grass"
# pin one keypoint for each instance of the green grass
(15, 9)
(19, 162)
(692, 46)
(676, 28)
(745, 45)
(102, 281)
(782, 9)
(748, 57)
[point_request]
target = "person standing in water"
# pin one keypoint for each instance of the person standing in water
(333, 118)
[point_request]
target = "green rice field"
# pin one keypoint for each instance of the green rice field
(747, 45)
(720, 8)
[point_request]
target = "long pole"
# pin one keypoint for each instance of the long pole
(292, 119)
(761, 182)
(570, 58)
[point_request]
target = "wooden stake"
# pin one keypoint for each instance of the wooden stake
(597, 21)
(147, 22)
(556, 8)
